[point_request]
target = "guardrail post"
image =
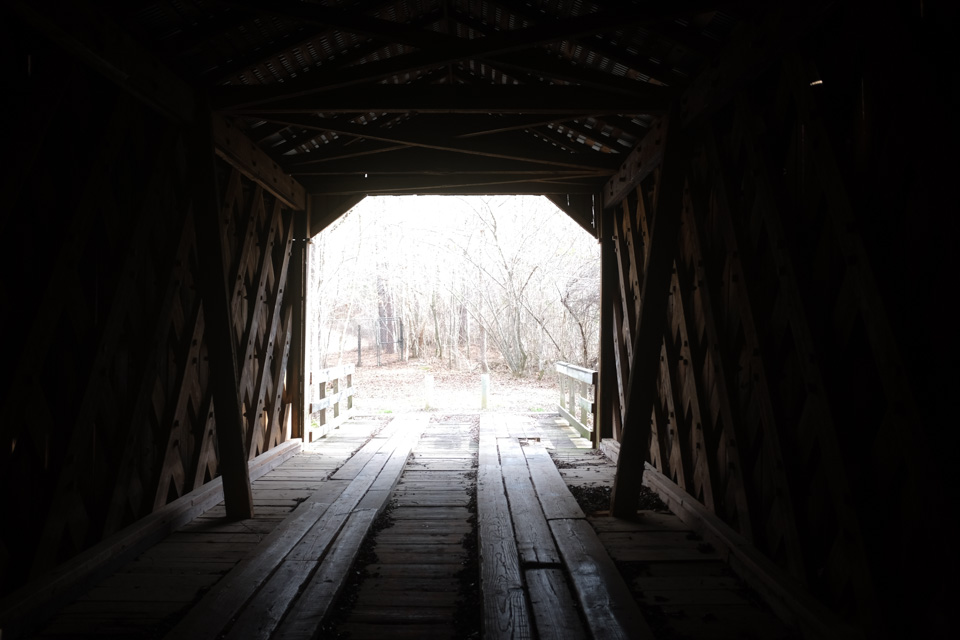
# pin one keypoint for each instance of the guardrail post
(577, 404)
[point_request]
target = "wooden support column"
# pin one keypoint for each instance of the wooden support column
(297, 289)
(647, 340)
(607, 387)
(238, 497)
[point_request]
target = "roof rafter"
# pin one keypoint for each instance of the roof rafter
(519, 148)
(300, 39)
(418, 160)
(399, 185)
(439, 56)
(446, 98)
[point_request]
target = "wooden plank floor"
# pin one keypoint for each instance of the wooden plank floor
(547, 569)
(412, 589)
(579, 573)
(149, 595)
(682, 586)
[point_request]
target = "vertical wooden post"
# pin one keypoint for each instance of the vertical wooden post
(218, 333)
(297, 290)
(583, 392)
(607, 384)
(594, 410)
(563, 390)
(336, 394)
(321, 394)
(349, 388)
(648, 337)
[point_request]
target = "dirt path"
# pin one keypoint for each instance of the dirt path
(399, 386)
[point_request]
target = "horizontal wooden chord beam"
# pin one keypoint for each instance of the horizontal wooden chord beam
(559, 100)
(246, 156)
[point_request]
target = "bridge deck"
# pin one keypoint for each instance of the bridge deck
(477, 527)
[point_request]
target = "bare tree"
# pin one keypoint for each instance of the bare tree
(514, 274)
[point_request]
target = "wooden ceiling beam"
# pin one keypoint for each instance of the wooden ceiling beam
(302, 38)
(545, 64)
(665, 24)
(638, 62)
(244, 154)
(442, 55)
(460, 185)
(624, 123)
(644, 158)
(412, 160)
(296, 137)
(573, 132)
(353, 21)
(340, 153)
(507, 146)
(488, 125)
(464, 99)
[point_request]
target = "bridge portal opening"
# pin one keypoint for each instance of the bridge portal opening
(416, 299)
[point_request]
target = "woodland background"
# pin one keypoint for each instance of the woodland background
(508, 284)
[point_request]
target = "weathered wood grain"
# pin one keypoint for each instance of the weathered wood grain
(261, 615)
(552, 491)
(505, 612)
(779, 591)
(554, 610)
(533, 537)
(222, 603)
(604, 597)
(325, 585)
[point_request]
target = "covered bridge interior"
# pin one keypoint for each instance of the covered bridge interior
(771, 185)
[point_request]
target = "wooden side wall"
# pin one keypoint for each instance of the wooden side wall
(108, 410)
(793, 397)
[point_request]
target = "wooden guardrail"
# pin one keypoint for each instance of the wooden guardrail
(578, 391)
(333, 390)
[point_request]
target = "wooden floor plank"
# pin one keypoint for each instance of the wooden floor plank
(534, 540)
(313, 604)
(368, 631)
(505, 612)
(604, 597)
(222, 603)
(555, 497)
(548, 582)
(554, 610)
(262, 615)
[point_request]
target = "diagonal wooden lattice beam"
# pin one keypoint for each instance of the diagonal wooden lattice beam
(641, 389)
(238, 496)
(245, 155)
(255, 435)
